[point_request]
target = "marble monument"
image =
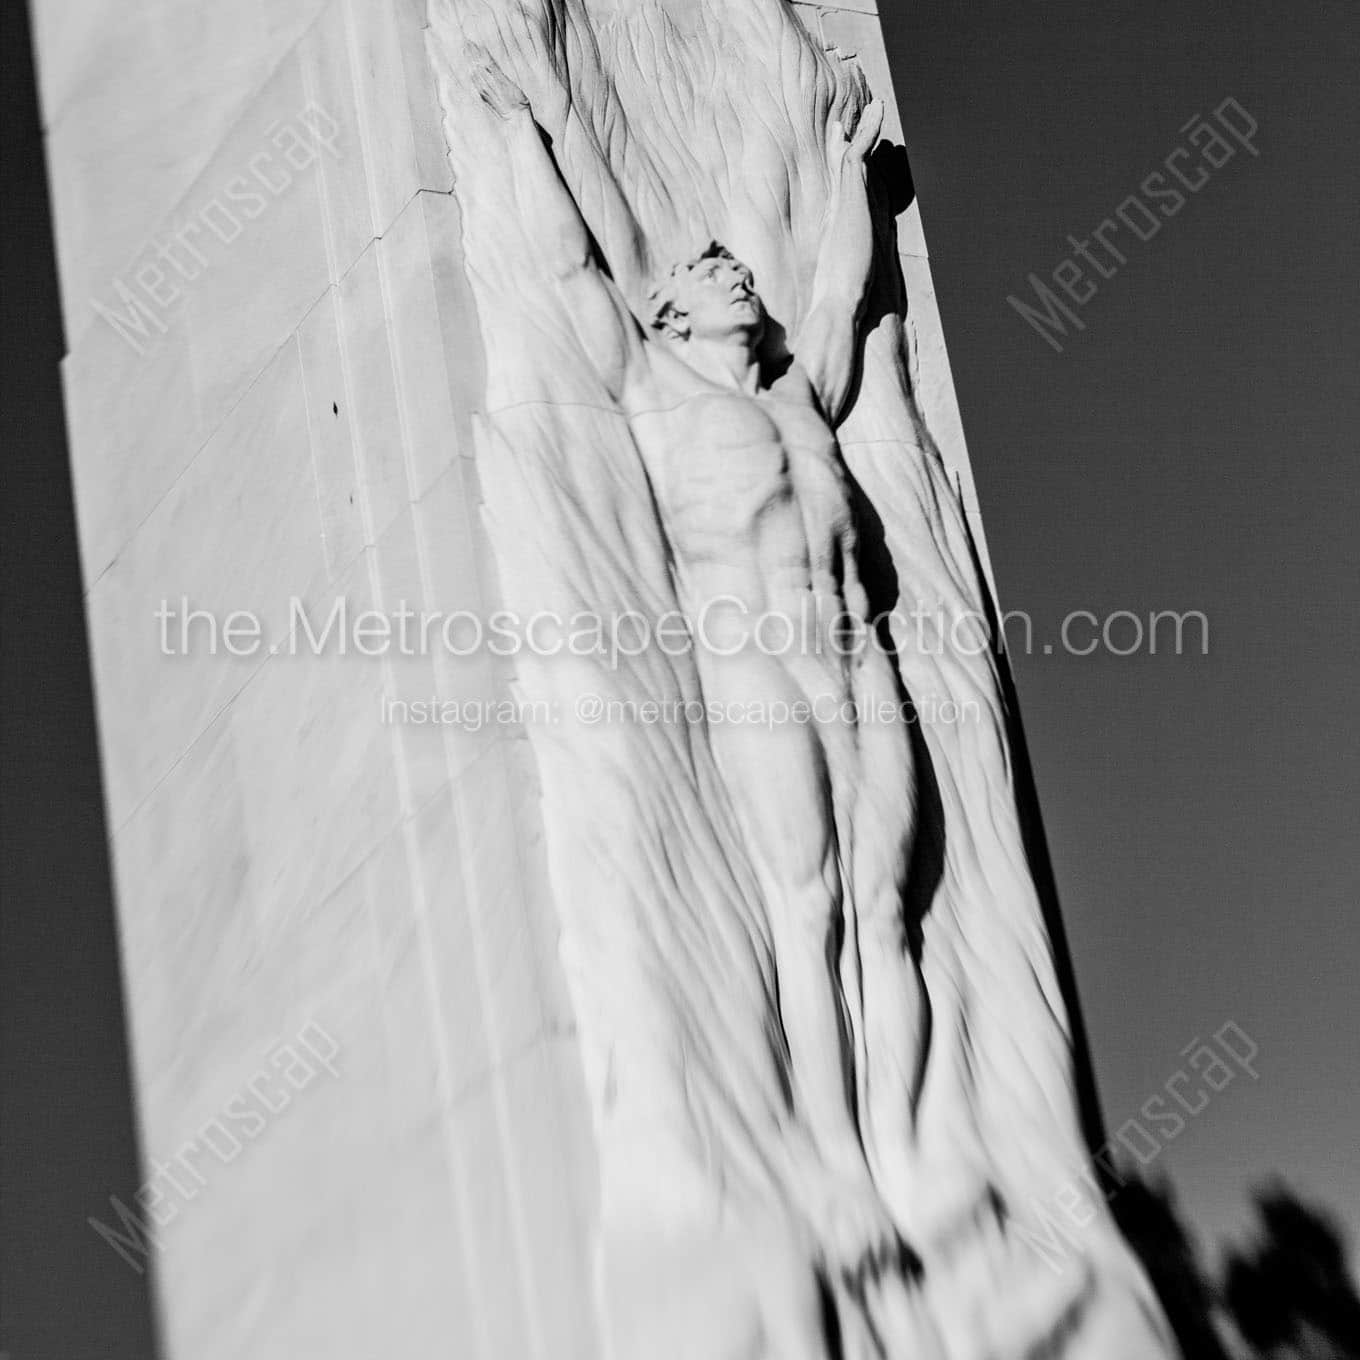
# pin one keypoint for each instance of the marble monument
(704, 1005)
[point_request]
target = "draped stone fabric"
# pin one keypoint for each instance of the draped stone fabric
(673, 123)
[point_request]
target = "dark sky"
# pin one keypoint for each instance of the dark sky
(1194, 448)
(67, 1136)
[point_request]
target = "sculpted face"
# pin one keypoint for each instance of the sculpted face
(712, 298)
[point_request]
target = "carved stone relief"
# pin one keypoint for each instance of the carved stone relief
(829, 1062)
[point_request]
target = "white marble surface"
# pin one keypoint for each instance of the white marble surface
(136, 98)
(364, 66)
(280, 855)
(240, 519)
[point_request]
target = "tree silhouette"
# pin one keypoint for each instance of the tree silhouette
(1289, 1292)
(1147, 1216)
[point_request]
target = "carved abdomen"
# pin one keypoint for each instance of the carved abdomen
(722, 480)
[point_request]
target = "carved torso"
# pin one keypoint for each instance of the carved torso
(750, 487)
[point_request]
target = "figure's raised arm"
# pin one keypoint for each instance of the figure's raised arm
(565, 254)
(827, 343)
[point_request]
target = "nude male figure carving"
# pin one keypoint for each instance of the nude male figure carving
(754, 500)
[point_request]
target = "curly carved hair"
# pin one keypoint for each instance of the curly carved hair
(665, 313)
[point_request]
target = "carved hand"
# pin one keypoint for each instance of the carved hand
(867, 129)
(496, 90)
(854, 149)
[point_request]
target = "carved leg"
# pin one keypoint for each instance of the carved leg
(928, 1202)
(825, 683)
(896, 1008)
(896, 1012)
(780, 788)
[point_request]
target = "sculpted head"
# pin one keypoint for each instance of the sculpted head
(711, 297)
